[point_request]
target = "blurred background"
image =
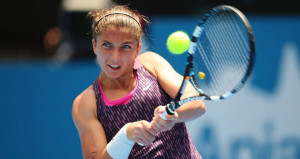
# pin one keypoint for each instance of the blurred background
(46, 60)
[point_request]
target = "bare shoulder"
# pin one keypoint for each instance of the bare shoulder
(87, 97)
(153, 62)
(150, 57)
(91, 132)
(84, 105)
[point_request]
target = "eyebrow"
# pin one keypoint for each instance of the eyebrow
(128, 42)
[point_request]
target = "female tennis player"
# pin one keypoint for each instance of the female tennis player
(118, 115)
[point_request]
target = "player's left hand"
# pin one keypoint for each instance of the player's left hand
(160, 124)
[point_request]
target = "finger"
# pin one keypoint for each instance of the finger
(147, 138)
(153, 122)
(158, 110)
(161, 109)
(149, 128)
(152, 131)
(142, 138)
(148, 132)
(141, 142)
(163, 114)
(157, 125)
(161, 121)
(172, 117)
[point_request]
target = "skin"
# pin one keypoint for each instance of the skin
(118, 49)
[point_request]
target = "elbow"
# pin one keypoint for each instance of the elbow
(92, 155)
(202, 108)
(97, 155)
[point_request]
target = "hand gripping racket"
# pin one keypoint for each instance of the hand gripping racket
(222, 49)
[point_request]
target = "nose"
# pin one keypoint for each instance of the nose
(115, 54)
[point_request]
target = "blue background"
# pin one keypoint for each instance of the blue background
(37, 95)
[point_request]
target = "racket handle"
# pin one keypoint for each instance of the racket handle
(163, 115)
(168, 110)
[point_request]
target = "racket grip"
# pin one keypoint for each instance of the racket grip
(163, 115)
(168, 110)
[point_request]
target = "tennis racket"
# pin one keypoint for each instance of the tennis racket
(223, 49)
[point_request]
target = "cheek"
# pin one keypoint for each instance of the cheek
(100, 58)
(129, 57)
(130, 60)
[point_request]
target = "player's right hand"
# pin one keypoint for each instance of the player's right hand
(166, 124)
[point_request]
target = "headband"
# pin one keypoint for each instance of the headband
(117, 13)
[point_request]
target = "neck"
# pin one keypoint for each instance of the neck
(124, 82)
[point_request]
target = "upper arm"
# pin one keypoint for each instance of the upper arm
(171, 81)
(91, 132)
(167, 77)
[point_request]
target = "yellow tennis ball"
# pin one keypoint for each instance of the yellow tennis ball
(201, 75)
(178, 42)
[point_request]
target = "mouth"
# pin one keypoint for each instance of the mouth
(114, 67)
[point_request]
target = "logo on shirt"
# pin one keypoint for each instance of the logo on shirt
(147, 87)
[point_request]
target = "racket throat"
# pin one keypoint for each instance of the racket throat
(171, 108)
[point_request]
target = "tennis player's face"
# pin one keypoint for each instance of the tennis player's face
(116, 50)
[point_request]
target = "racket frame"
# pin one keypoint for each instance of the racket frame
(189, 74)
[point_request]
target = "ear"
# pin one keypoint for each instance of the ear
(94, 45)
(139, 49)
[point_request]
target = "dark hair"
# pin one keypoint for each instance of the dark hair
(118, 16)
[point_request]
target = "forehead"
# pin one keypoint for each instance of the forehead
(117, 34)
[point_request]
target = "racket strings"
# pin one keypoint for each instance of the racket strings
(222, 54)
(228, 43)
(208, 70)
(240, 38)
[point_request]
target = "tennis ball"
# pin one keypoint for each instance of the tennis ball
(201, 75)
(178, 42)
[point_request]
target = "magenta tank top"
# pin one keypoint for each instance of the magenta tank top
(172, 144)
(123, 100)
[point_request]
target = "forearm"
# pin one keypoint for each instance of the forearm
(98, 155)
(162, 121)
(191, 111)
(119, 147)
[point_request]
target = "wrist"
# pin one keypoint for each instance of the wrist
(120, 146)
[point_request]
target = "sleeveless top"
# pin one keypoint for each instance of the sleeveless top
(172, 144)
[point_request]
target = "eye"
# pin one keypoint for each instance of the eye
(106, 45)
(126, 47)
